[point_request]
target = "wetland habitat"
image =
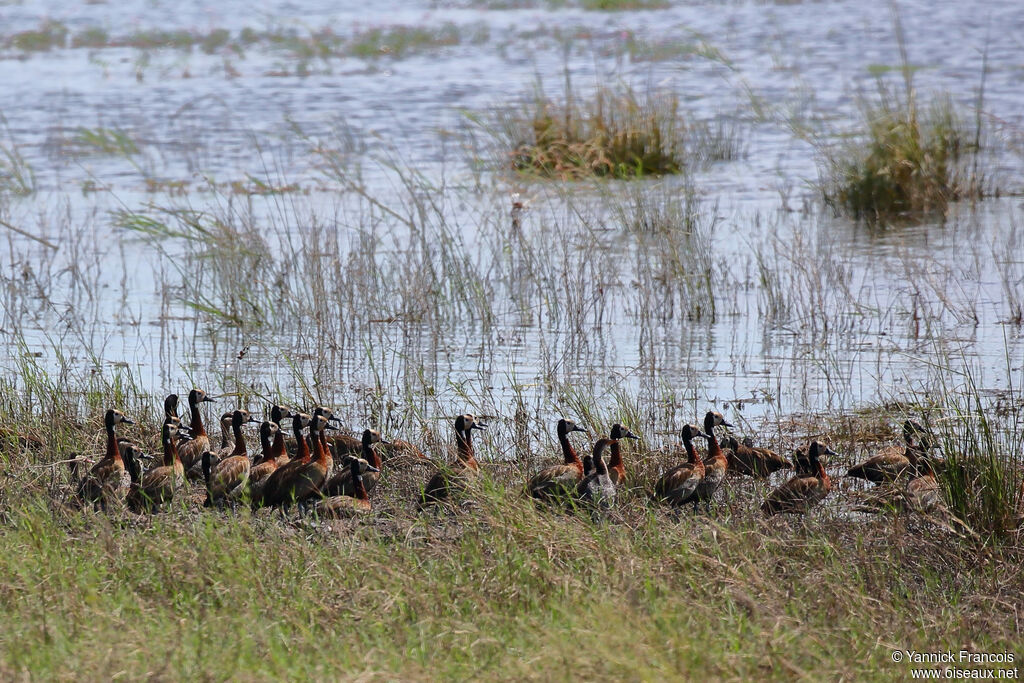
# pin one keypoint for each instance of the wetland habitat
(803, 215)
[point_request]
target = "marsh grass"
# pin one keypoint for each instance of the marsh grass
(104, 141)
(983, 445)
(910, 164)
(616, 133)
(16, 174)
(623, 5)
(49, 35)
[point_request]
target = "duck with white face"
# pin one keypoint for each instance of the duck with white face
(715, 464)
(108, 481)
(558, 482)
(191, 451)
(678, 486)
(806, 489)
(455, 478)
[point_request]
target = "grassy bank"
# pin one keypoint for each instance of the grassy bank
(497, 589)
(501, 590)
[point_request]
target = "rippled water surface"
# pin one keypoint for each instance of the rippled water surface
(806, 311)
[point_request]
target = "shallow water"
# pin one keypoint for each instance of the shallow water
(853, 316)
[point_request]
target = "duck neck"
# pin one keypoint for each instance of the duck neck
(357, 485)
(195, 421)
(370, 455)
(568, 452)
(277, 448)
(170, 452)
(236, 431)
(317, 453)
(266, 447)
(469, 456)
(714, 450)
(615, 462)
(302, 452)
(113, 452)
(692, 456)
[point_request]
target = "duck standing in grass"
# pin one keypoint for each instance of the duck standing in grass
(228, 479)
(806, 489)
(304, 481)
(342, 484)
(678, 486)
(715, 464)
(274, 456)
(161, 483)
(108, 480)
(191, 452)
(270, 492)
(455, 478)
(559, 481)
(616, 469)
(597, 490)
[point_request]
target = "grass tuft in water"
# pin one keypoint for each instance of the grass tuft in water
(16, 175)
(909, 165)
(615, 133)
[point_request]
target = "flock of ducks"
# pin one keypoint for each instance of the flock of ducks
(305, 461)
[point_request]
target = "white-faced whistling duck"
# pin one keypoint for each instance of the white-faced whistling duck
(588, 465)
(342, 484)
(170, 416)
(744, 458)
(895, 461)
(559, 481)
(341, 506)
(229, 477)
(616, 470)
(161, 483)
(597, 489)
(806, 489)
(133, 465)
(303, 481)
(678, 486)
(268, 436)
(108, 480)
(715, 464)
(191, 452)
(171, 406)
(335, 452)
(237, 445)
(328, 454)
(454, 478)
(269, 491)
(226, 441)
(274, 455)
